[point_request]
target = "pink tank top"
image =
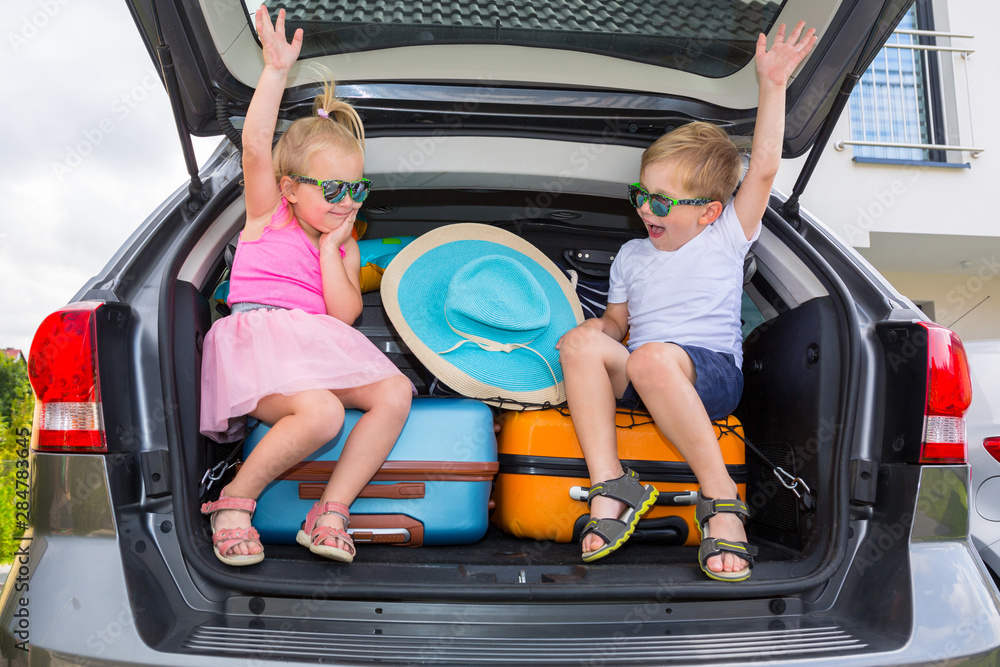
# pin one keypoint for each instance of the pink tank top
(281, 268)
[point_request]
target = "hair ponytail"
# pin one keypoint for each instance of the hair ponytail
(334, 124)
(328, 105)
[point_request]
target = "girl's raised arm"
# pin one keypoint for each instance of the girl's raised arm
(261, 192)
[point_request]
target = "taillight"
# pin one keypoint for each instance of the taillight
(62, 368)
(949, 393)
(992, 445)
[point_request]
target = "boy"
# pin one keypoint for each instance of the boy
(677, 293)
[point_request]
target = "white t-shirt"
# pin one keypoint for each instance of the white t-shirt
(690, 296)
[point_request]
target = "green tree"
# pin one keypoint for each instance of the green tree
(13, 384)
(16, 411)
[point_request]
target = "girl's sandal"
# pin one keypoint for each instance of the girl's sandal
(705, 509)
(225, 539)
(314, 537)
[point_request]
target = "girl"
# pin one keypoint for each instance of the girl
(288, 354)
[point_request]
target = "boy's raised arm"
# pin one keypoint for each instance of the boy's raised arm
(774, 67)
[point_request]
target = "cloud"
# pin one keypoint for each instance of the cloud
(90, 149)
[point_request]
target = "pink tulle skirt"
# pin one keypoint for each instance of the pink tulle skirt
(250, 355)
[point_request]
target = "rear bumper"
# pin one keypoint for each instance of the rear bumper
(88, 620)
(68, 602)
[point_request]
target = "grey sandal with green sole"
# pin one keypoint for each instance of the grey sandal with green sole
(705, 509)
(638, 498)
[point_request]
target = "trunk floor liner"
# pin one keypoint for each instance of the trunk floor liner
(499, 549)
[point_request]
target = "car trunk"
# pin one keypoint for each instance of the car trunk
(797, 393)
(520, 91)
(533, 128)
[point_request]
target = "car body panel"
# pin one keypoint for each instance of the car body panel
(879, 571)
(945, 577)
(983, 421)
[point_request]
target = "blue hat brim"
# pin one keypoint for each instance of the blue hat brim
(414, 288)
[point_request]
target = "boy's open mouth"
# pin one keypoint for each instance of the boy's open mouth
(655, 231)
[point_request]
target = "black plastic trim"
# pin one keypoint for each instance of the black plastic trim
(114, 328)
(850, 384)
(906, 389)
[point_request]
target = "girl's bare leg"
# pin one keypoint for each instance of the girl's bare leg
(302, 423)
(386, 405)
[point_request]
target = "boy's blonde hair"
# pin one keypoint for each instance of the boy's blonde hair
(707, 161)
(341, 130)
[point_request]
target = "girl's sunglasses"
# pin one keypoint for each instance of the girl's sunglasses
(658, 204)
(334, 191)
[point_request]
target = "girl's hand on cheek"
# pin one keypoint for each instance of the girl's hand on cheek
(328, 246)
(345, 230)
(332, 240)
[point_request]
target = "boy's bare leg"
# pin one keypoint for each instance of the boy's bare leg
(594, 372)
(664, 375)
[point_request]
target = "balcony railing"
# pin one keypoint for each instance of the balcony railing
(918, 54)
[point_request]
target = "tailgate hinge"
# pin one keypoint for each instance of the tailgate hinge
(155, 472)
(864, 481)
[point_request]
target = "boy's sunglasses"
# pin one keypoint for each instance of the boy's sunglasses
(658, 204)
(334, 191)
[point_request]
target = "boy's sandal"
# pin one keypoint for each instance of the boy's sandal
(638, 498)
(225, 539)
(705, 509)
(314, 537)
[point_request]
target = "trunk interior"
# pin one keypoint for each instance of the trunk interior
(790, 406)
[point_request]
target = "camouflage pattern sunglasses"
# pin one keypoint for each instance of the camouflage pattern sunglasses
(658, 204)
(334, 191)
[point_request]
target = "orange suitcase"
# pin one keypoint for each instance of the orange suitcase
(540, 491)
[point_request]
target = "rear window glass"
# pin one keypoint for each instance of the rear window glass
(712, 38)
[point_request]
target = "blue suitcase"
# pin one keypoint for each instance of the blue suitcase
(434, 489)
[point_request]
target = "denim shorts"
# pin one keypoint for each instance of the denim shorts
(719, 383)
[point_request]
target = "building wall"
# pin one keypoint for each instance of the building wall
(933, 231)
(968, 305)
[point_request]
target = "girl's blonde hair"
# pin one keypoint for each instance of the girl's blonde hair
(339, 128)
(706, 159)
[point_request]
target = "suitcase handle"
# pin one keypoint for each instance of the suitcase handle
(387, 529)
(662, 530)
(670, 499)
(380, 535)
(400, 491)
(671, 530)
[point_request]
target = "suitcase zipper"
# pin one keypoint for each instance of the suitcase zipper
(649, 471)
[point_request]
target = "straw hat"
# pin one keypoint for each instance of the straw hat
(482, 309)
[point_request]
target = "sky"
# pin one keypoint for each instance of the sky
(89, 149)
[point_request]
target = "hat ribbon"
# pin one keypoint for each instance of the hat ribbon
(493, 346)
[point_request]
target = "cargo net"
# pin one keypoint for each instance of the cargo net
(636, 416)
